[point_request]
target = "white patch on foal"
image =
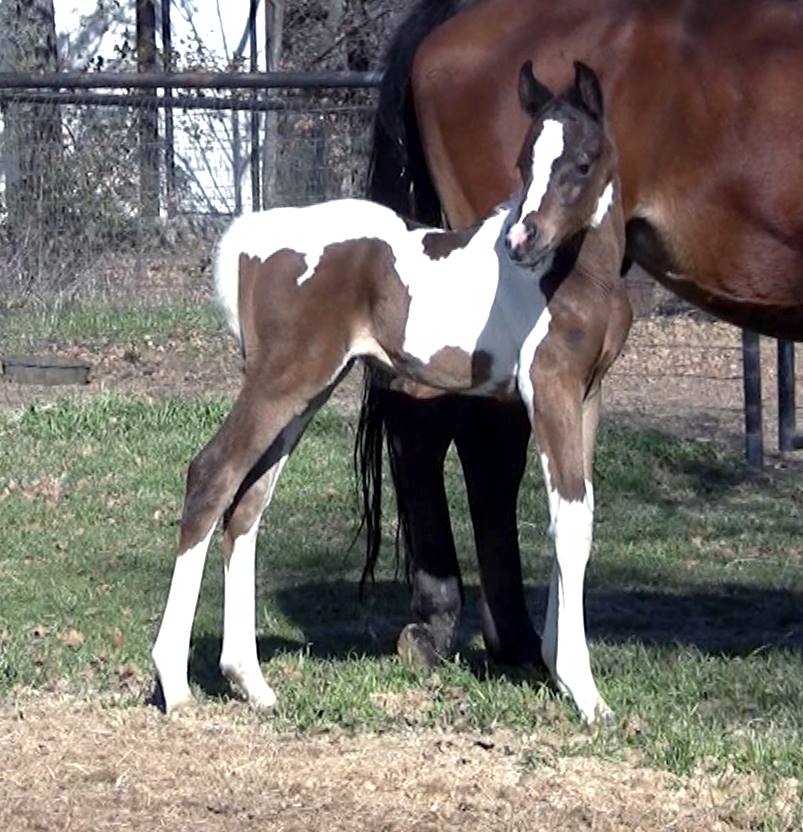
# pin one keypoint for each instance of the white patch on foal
(527, 356)
(548, 148)
(450, 298)
(603, 205)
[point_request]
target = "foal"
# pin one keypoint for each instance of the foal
(527, 304)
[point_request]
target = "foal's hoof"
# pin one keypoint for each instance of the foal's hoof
(258, 692)
(178, 700)
(416, 646)
(602, 713)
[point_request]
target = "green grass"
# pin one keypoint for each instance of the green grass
(694, 591)
(32, 327)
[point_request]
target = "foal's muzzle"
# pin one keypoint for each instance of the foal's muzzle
(525, 244)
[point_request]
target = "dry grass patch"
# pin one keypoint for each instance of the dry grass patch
(83, 767)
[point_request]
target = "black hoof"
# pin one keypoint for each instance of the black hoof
(416, 646)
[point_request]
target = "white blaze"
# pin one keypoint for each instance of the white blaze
(547, 149)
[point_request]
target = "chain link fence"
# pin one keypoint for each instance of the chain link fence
(87, 207)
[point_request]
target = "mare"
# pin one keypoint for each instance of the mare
(308, 290)
(703, 99)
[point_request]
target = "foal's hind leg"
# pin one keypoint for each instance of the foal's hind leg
(239, 660)
(213, 479)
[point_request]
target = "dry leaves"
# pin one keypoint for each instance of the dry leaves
(72, 638)
(48, 489)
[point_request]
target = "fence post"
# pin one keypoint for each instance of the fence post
(753, 434)
(256, 182)
(148, 119)
(788, 438)
(167, 65)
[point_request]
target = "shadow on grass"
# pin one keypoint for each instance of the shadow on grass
(647, 466)
(728, 620)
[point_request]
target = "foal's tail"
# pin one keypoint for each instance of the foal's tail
(397, 177)
(227, 273)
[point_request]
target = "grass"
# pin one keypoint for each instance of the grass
(32, 327)
(694, 591)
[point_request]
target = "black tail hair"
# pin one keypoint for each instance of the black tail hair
(397, 177)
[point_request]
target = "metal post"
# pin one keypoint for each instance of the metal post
(788, 439)
(751, 360)
(256, 190)
(148, 119)
(167, 66)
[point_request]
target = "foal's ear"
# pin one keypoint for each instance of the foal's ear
(533, 95)
(588, 88)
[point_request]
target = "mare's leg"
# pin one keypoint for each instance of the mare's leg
(558, 425)
(492, 442)
(419, 433)
(239, 660)
(213, 479)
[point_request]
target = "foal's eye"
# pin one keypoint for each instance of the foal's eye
(583, 168)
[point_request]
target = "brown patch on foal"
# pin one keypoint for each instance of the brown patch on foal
(440, 244)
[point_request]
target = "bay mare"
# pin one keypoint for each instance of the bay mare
(704, 100)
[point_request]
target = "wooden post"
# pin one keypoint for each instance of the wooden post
(148, 119)
(753, 433)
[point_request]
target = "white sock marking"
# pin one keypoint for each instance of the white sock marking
(564, 645)
(171, 649)
(239, 660)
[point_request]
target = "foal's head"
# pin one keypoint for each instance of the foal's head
(567, 166)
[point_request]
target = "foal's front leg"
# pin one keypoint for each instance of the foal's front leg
(558, 427)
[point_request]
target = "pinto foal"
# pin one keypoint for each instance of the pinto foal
(527, 304)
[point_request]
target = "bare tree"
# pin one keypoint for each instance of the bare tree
(32, 137)
(274, 32)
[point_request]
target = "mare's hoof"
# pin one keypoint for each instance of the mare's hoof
(416, 646)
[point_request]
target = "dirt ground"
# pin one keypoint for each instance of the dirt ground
(73, 766)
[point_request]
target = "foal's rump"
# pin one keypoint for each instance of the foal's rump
(292, 269)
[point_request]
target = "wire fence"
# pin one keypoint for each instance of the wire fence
(82, 189)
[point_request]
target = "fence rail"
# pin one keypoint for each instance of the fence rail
(191, 80)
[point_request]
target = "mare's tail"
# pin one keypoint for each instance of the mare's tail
(397, 177)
